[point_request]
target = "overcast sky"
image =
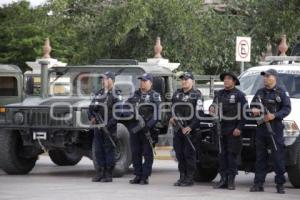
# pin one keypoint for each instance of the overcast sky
(32, 2)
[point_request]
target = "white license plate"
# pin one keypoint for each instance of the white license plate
(39, 135)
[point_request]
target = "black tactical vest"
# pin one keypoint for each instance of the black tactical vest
(228, 101)
(271, 99)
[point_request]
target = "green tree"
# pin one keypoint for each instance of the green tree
(19, 35)
(127, 29)
(201, 38)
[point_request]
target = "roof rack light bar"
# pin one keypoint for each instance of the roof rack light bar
(282, 58)
(116, 62)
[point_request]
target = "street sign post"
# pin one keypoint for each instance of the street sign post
(243, 50)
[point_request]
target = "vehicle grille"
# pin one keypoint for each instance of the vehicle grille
(43, 118)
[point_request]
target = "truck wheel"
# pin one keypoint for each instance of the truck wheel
(63, 158)
(294, 171)
(11, 159)
(205, 174)
(123, 152)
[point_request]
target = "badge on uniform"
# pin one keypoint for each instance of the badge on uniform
(232, 99)
(185, 98)
(147, 98)
(278, 99)
(120, 97)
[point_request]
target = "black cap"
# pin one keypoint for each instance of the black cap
(187, 75)
(108, 75)
(146, 77)
(272, 72)
(222, 76)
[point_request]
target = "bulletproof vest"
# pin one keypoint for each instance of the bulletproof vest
(228, 101)
(271, 99)
(145, 105)
(187, 104)
(104, 102)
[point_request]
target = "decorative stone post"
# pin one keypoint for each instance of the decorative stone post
(41, 66)
(158, 48)
(158, 60)
(283, 47)
(47, 49)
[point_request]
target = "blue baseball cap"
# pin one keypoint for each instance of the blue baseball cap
(146, 77)
(108, 75)
(187, 75)
(272, 72)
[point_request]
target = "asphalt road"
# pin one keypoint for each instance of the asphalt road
(48, 181)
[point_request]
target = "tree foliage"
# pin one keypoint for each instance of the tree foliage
(201, 38)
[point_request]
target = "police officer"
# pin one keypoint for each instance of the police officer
(230, 105)
(146, 101)
(103, 144)
(277, 101)
(187, 104)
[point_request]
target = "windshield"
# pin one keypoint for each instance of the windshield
(251, 81)
(79, 82)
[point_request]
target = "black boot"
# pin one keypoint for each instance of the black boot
(108, 175)
(231, 182)
(135, 180)
(257, 188)
(188, 181)
(99, 175)
(280, 189)
(223, 183)
(180, 180)
(144, 181)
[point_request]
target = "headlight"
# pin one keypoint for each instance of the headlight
(19, 118)
(290, 132)
(2, 110)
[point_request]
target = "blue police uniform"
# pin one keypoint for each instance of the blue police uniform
(232, 104)
(276, 100)
(188, 104)
(104, 150)
(147, 107)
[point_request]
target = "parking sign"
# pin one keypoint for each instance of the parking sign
(243, 49)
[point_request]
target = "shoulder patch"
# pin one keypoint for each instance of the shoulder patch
(287, 93)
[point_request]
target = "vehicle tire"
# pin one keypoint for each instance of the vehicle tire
(11, 160)
(205, 174)
(123, 152)
(64, 158)
(294, 171)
